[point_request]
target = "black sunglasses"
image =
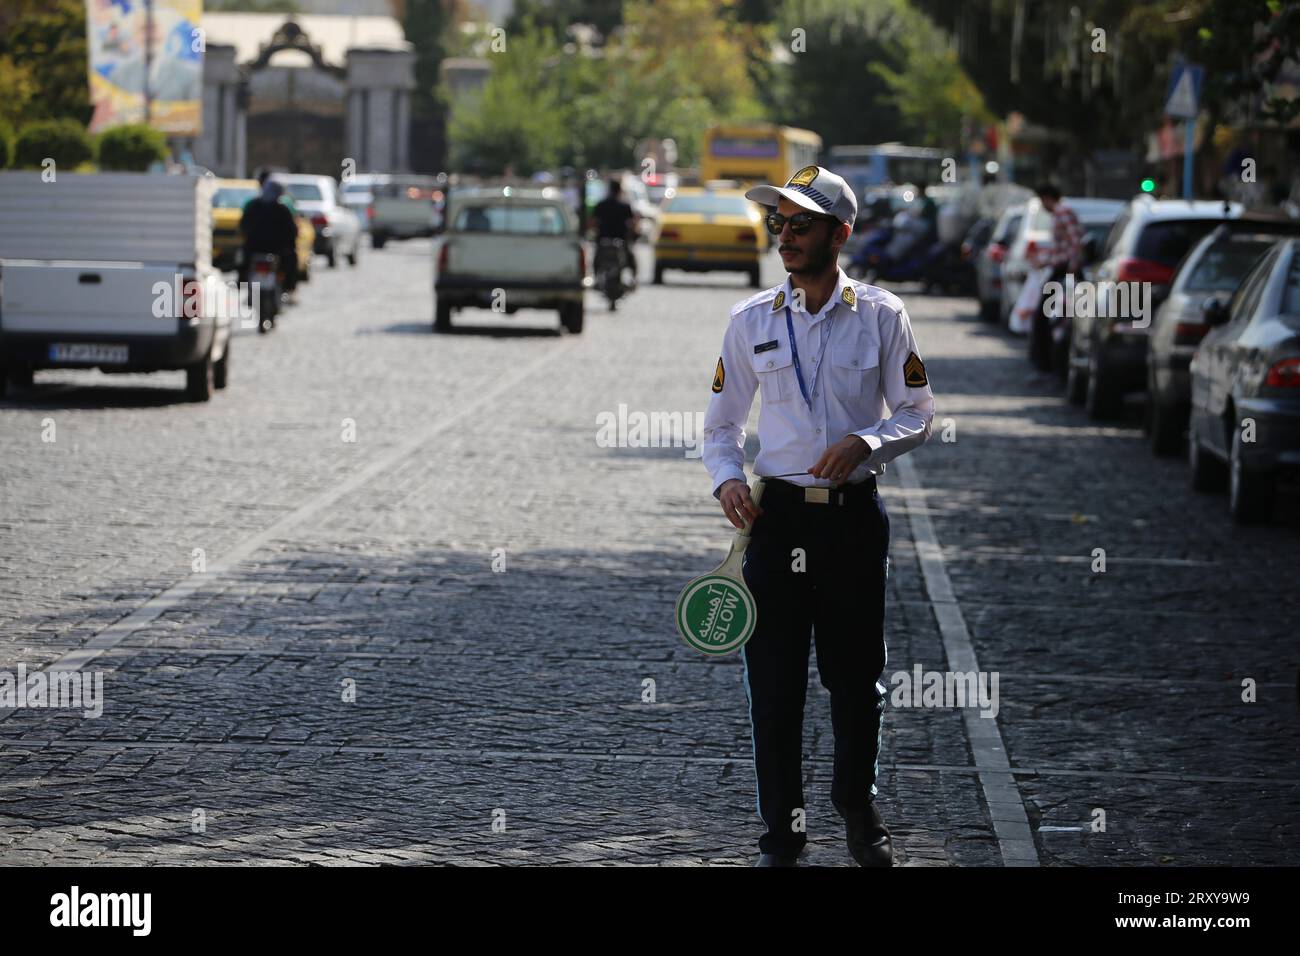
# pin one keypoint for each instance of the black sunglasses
(800, 222)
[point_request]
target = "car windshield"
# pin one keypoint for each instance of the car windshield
(233, 197)
(1225, 264)
(352, 189)
(517, 220)
(306, 191)
(1167, 241)
(709, 205)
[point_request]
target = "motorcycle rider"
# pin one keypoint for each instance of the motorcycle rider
(616, 219)
(269, 227)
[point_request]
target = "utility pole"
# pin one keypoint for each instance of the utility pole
(148, 60)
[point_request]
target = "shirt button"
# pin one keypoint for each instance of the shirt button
(819, 431)
(855, 361)
(769, 364)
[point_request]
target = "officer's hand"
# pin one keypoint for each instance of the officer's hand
(839, 461)
(736, 503)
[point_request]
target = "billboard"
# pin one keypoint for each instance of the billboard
(115, 36)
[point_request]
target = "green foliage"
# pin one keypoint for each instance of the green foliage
(65, 141)
(131, 148)
(516, 121)
(937, 100)
(828, 85)
(43, 60)
(6, 145)
(427, 25)
(555, 16)
(542, 107)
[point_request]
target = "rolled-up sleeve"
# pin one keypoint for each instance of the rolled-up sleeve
(910, 406)
(734, 385)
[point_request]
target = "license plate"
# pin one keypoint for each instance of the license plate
(88, 352)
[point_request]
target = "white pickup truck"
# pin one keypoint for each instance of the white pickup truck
(111, 271)
(404, 207)
(506, 249)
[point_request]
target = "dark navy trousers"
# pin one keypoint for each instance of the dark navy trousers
(838, 599)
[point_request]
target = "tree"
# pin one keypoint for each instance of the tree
(826, 84)
(6, 144)
(132, 147)
(43, 60)
(517, 121)
(937, 101)
(556, 16)
(64, 140)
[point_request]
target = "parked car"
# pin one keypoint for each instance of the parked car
(1033, 238)
(508, 248)
(1245, 377)
(114, 273)
(1214, 269)
(338, 230)
(228, 201)
(405, 207)
(1107, 351)
(705, 230)
(988, 265)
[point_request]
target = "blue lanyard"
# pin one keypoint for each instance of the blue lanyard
(794, 353)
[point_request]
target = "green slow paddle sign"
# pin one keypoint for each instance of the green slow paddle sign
(715, 612)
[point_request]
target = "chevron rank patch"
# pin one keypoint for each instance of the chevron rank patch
(779, 300)
(913, 372)
(719, 376)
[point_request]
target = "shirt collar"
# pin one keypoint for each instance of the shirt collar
(845, 294)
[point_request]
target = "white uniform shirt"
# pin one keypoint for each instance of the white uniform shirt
(871, 382)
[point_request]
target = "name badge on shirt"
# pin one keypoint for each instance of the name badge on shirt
(766, 346)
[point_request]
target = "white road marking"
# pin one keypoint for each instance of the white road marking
(179, 593)
(1006, 806)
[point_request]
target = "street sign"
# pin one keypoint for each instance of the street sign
(1184, 97)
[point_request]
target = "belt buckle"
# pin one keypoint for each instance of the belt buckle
(817, 496)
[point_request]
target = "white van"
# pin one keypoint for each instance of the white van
(111, 271)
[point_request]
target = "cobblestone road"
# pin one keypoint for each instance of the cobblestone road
(518, 696)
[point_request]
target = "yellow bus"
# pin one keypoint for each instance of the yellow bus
(757, 153)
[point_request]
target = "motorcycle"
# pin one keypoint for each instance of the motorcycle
(888, 255)
(264, 272)
(609, 270)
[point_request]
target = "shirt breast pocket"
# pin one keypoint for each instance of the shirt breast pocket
(775, 372)
(855, 367)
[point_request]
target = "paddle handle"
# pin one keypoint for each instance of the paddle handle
(755, 495)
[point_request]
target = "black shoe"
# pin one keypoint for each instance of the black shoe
(868, 837)
(777, 859)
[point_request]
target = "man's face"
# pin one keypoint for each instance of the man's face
(1049, 203)
(813, 252)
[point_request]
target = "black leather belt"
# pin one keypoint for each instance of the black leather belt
(775, 489)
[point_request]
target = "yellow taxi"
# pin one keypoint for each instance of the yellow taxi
(228, 200)
(703, 228)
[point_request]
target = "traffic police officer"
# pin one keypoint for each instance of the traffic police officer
(844, 391)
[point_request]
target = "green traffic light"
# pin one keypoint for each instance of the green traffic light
(1148, 185)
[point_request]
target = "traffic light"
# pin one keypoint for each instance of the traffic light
(1148, 185)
